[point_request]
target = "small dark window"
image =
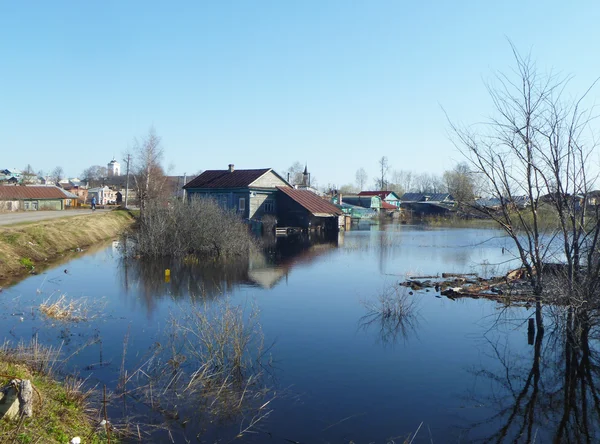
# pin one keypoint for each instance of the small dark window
(269, 206)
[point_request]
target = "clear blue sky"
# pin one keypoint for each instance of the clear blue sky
(256, 83)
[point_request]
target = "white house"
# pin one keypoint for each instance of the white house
(103, 195)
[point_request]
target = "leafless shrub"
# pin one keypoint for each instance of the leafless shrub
(200, 228)
(394, 311)
(269, 222)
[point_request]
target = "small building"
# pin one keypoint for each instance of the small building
(32, 198)
(304, 209)
(251, 193)
(386, 196)
(516, 202)
(356, 212)
(71, 199)
(426, 204)
(103, 195)
(372, 202)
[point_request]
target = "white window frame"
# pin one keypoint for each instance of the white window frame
(242, 204)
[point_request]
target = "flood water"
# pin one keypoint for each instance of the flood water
(458, 371)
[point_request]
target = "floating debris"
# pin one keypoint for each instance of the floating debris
(514, 287)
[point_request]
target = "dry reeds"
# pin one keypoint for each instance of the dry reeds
(33, 355)
(394, 311)
(213, 366)
(61, 309)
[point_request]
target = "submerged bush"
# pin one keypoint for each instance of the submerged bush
(200, 228)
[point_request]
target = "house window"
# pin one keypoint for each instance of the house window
(269, 206)
(242, 204)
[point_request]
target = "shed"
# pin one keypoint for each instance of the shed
(304, 209)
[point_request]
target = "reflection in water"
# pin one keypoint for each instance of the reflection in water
(309, 295)
(393, 315)
(189, 279)
(553, 393)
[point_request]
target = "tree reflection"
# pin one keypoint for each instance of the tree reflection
(212, 279)
(552, 394)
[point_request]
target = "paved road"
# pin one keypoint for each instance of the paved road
(34, 216)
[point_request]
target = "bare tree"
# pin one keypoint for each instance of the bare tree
(295, 173)
(148, 173)
(348, 189)
(402, 182)
(460, 183)
(94, 172)
(361, 178)
(428, 183)
(535, 156)
(28, 175)
(57, 174)
(384, 168)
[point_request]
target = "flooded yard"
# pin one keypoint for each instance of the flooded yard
(331, 371)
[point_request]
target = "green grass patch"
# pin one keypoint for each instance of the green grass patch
(27, 263)
(10, 238)
(61, 410)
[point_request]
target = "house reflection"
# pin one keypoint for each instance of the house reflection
(265, 269)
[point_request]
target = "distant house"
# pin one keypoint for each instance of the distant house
(71, 200)
(304, 209)
(519, 202)
(103, 195)
(251, 193)
(428, 203)
(372, 202)
(10, 176)
(31, 198)
(386, 196)
(356, 212)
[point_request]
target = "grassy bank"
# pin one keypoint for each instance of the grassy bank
(61, 411)
(29, 247)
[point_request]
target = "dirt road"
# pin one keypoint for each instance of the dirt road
(35, 216)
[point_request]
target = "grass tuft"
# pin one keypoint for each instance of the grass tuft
(74, 310)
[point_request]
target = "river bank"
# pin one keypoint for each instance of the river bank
(27, 248)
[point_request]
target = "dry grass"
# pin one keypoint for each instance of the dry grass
(60, 411)
(212, 368)
(47, 241)
(74, 310)
(394, 312)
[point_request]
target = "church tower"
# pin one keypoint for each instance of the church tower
(114, 168)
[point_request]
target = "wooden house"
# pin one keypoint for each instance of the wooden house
(251, 193)
(428, 203)
(372, 202)
(386, 196)
(31, 198)
(304, 209)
